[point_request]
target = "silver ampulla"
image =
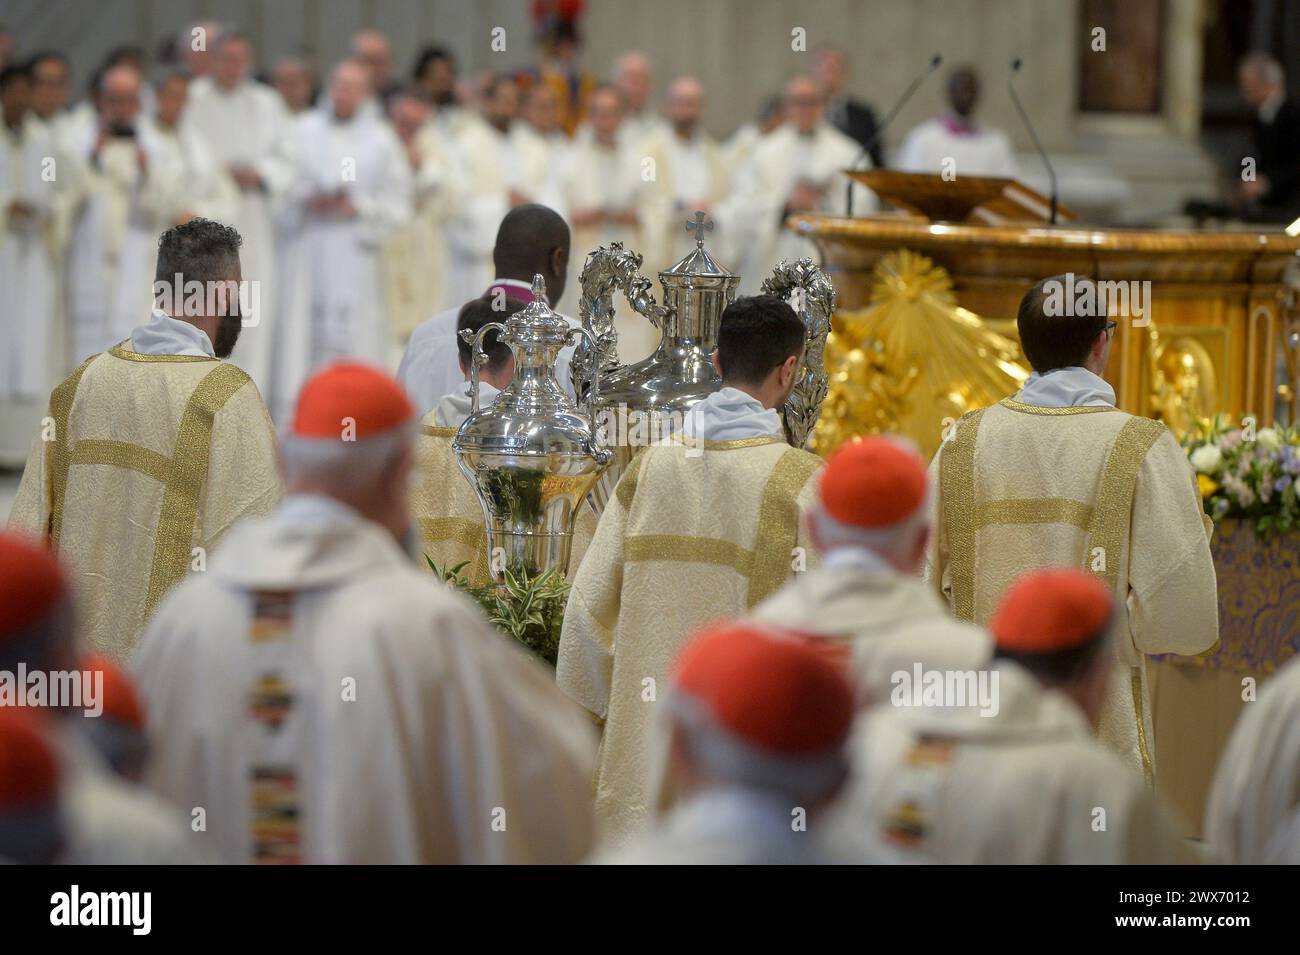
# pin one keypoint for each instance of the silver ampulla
(647, 401)
(531, 456)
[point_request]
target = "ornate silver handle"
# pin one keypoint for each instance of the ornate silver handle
(602, 454)
(478, 358)
(817, 303)
(609, 269)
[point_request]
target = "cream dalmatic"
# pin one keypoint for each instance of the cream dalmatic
(691, 534)
(150, 453)
(1027, 785)
(1024, 485)
(31, 311)
(1253, 815)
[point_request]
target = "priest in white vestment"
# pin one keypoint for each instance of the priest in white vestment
(633, 76)
(1253, 815)
(130, 180)
(30, 309)
(351, 190)
(202, 189)
(245, 130)
(1000, 766)
(153, 448)
(871, 526)
(603, 186)
(1057, 475)
(101, 819)
(444, 505)
(796, 169)
(488, 178)
(690, 174)
(955, 145)
(703, 525)
(328, 701)
(756, 724)
(531, 240)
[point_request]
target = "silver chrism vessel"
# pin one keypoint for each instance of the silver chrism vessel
(637, 404)
(531, 456)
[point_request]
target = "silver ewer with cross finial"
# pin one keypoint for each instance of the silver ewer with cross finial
(532, 455)
(640, 403)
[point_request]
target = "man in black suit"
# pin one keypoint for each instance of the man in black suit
(1274, 193)
(852, 117)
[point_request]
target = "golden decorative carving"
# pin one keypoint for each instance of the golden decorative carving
(1184, 384)
(913, 360)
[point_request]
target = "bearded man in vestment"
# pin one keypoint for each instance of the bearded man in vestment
(152, 449)
(1001, 766)
(328, 701)
(703, 525)
(1058, 476)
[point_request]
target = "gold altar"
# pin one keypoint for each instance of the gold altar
(1209, 339)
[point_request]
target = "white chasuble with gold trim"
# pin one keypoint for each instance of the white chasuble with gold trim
(1023, 486)
(691, 534)
(143, 464)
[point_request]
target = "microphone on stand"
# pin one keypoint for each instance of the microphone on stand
(935, 62)
(1051, 173)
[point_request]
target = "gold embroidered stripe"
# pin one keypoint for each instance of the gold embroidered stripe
(1034, 510)
(1147, 769)
(436, 431)
(736, 443)
(690, 550)
(1053, 412)
(186, 474)
(122, 454)
(957, 492)
(1114, 508)
(625, 490)
(57, 457)
(463, 531)
(778, 522)
(121, 351)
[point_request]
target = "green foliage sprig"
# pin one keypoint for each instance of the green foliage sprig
(530, 609)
